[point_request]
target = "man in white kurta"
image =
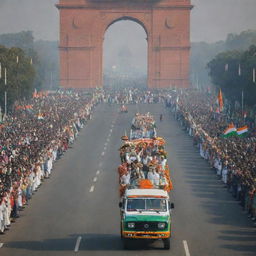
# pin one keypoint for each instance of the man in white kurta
(2, 226)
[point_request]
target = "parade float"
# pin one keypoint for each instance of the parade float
(145, 183)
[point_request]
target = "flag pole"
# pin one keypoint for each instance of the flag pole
(5, 104)
(242, 102)
(5, 93)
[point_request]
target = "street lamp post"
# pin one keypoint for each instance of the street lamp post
(5, 93)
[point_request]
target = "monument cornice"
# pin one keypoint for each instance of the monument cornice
(184, 7)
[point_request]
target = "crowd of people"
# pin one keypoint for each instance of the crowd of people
(40, 130)
(233, 158)
(143, 159)
(32, 138)
(132, 96)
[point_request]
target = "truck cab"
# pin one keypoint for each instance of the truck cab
(146, 214)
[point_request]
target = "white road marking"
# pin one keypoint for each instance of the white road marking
(111, 130)
(1, 245)
(112, 126)
(100, 164)
(92, 189)
(103, 153)
(78, 241)
(94, 179)
(185, 244)
(105, 144)
(98, 172)
(108, 139)
(105, 148)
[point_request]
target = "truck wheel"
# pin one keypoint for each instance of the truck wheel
(125, 243)
(167, 243)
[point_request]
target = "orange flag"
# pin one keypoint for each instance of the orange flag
(220, 101)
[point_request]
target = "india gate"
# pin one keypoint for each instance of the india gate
(83, 24)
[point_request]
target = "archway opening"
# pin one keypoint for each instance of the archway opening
(125, 52)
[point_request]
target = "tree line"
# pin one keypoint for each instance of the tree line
(17, 75)
(234, 72)
(202, 53)
(26, 65)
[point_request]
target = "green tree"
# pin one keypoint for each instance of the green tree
(229, 80)
(44, 54)
(20, 75)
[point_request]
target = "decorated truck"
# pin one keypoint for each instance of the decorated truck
(146, 214)
(145, 183)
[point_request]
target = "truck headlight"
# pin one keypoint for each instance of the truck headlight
(161, 225)
(131, 224)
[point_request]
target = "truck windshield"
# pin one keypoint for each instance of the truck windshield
(147, 204)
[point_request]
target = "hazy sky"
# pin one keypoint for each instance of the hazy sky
(211, 20)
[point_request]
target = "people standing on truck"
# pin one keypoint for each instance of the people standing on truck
(125, 178)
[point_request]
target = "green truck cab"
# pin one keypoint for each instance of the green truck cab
(146, 214)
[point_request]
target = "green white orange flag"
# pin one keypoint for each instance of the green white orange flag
(242, 130)
(230, 131)
(220, 101)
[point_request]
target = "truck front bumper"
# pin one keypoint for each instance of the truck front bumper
(146, 235)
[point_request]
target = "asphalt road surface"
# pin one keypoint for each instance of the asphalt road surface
(76, 210)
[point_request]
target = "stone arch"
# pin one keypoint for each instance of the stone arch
(126, 66)
(83, 24)
(131, 18)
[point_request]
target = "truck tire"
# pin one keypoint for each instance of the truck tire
(167, 243)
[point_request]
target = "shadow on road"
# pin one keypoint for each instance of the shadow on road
(89, 242)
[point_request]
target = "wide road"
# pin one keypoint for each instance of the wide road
(76, 210)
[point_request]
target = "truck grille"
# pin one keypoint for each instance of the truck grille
(146, 226)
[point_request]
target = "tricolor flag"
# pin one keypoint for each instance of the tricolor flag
(241, 131)
(220, 101)
(230, 131)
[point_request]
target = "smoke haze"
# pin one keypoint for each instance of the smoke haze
(210, 20)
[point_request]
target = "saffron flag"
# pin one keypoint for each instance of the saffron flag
(220, 101)
(241, 131)
(230, 131)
